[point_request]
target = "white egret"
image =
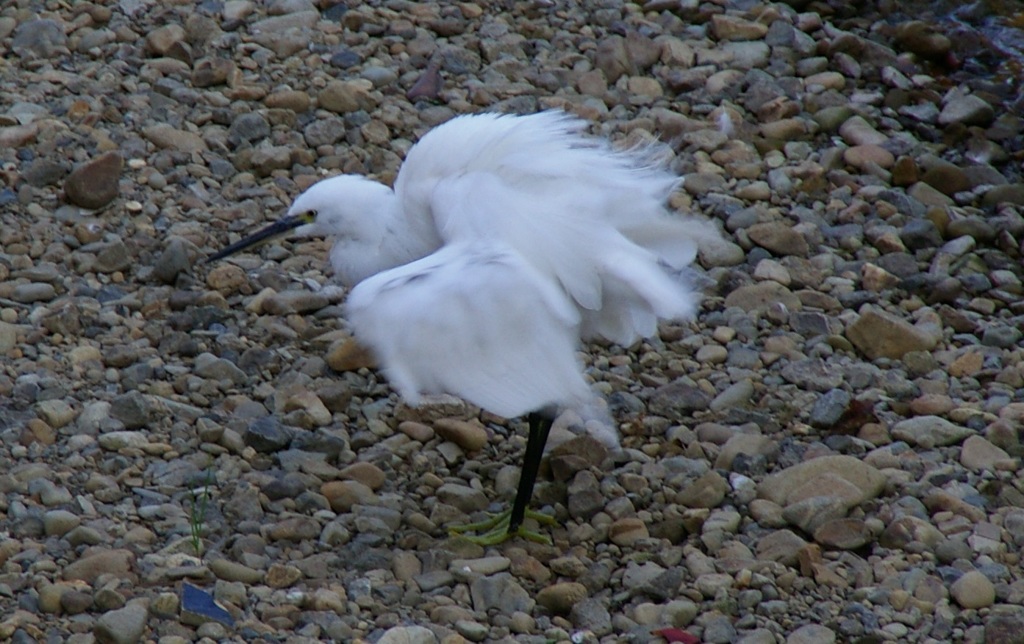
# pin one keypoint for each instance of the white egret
(505, 241)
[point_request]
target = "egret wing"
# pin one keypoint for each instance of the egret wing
(473, 320)
(587, 216)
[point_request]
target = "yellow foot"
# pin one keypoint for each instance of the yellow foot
(495, 529)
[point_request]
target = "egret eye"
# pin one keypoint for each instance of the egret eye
(308, 217)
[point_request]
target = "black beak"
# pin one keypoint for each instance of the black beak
(277, 229)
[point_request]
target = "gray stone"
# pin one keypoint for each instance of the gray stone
(133, 409)
(210, 366)
(501, 592)
(267, 435)
(42, 39)
(829, 408)
(929, 431)
(123, 626)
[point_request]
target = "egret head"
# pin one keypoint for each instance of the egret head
(343, 207)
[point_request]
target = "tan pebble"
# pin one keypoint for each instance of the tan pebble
(366, 473)
(973, 590)
(282, 576)
(227, 278)
(349, 355)
(342, 495)
(416, 431)
(967, 364)
(561, 597)
(876, 279)
(469, 436)
(625, 532)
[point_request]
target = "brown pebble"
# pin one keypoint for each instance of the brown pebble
(96, 183)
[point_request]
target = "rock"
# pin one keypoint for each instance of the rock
(561, 597)
(863, 157)
(879, 334)
(94, 563)
(233, 571)
(780, 546)
(208, 72)
(625, 532)
(928, 195)
(96, 183)
(929, 431)
(843, 534)
(921, 38)
(728, 27)
(920, 233)
(408, 635)
(1003, 628)
(133, 409)
(267, 435)
(708, 491)
(778, 238)
(210, 366)
(342, 495)
(123, 626)
(677, 399)
(947, 178)
(980, 455)
(343, 97)
(591, 613)
(1012, 193)
(166, 136)
(973, 590)
(829, 408)
(39, 39)
(282, 576)
(349, 355)
(966, 110)
(811, 634)
(856, 131)
(469, 436)
(763, 296)
(612, 58)
(59, 522)
(173, 261)
(462, 497)
(33, 292)
(821, 474)
(500, 592)
(292, 301)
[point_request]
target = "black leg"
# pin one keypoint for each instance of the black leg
(540, 425)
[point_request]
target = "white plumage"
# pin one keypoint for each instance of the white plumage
(506, 239)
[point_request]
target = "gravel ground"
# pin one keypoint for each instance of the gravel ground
(832, 452)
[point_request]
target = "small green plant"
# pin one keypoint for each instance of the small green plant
(197, 515)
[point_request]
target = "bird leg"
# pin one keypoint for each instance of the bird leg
(509, 523)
